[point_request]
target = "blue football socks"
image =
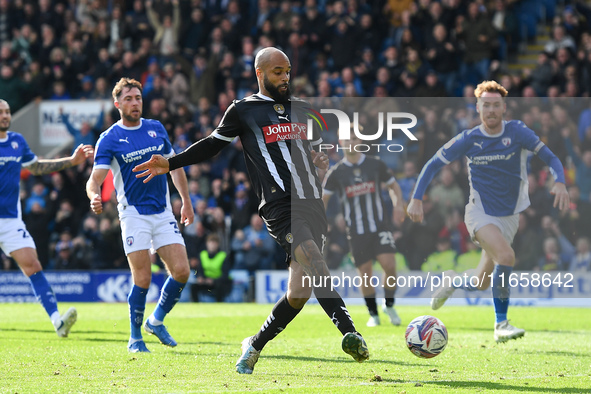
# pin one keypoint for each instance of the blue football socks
(501, 291)
(45, 295)
(137, 305)
(171, 293)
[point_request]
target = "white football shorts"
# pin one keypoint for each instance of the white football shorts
(475, 218)
(14, 236)
(142, 232)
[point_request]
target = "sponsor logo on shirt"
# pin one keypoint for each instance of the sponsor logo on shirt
(360, 189)
(138, 154)
(285, 131)
(486, 159)
(6, 159)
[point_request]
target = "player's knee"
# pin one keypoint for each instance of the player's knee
(142, 278)
(389, 267)
(181, 273)
(506, 258)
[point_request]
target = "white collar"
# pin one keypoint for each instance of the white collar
(264, 97)
(120, 124)
(348, 163)
(483, 131)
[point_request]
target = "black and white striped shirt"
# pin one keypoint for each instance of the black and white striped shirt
(276, 147)
(359, 187)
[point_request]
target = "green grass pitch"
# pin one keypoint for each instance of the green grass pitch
(554, 356)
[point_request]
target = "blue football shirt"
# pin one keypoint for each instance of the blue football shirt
(14, 154)
(497, 165)
(120, 149)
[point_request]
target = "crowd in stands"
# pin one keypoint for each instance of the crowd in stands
(194, 57)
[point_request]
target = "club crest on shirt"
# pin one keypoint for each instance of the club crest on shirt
(279, 108)
(357, 172)
(129, 241)
(506, 141)
(152, 133)
(14, 145)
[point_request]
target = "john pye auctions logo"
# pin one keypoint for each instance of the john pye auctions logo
(284, 131)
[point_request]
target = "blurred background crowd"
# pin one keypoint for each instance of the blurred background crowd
(194, 57)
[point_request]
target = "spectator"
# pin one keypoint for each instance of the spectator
(243, 206)
(455, 230)
(552, 258)
(582, 164)
(442, 54)
(86, 134)
(176, 87)
(337, 245)
(59, 91)
(557, 249)
(38, 224)
(581, 261)
(12, 88)
(470, 259)
(443, 259)
(67, 254)
(139, 25)
(526, 245)
(576, 222)
(166, 31)
(38, 196)
(407, 183)
(431, 87)
(559, 40)
(253, 247)
(213, 281)
(101, 91)
(195, 33)
(478, 36)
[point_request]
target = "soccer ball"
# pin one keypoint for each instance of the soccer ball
(426, 336)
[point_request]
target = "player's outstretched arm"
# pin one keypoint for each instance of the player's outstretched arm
(201, 150)
(561, 197)
(415, 210)
(47, 166)
(157, 165)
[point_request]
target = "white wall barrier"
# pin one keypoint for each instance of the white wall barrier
(53, 132)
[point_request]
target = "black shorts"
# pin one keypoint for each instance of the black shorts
(291, 222)
(366, 247)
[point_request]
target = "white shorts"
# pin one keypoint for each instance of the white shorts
(142, 232)
(475, 218)
(14, 236)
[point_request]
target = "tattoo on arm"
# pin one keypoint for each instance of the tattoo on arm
(43, 167)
